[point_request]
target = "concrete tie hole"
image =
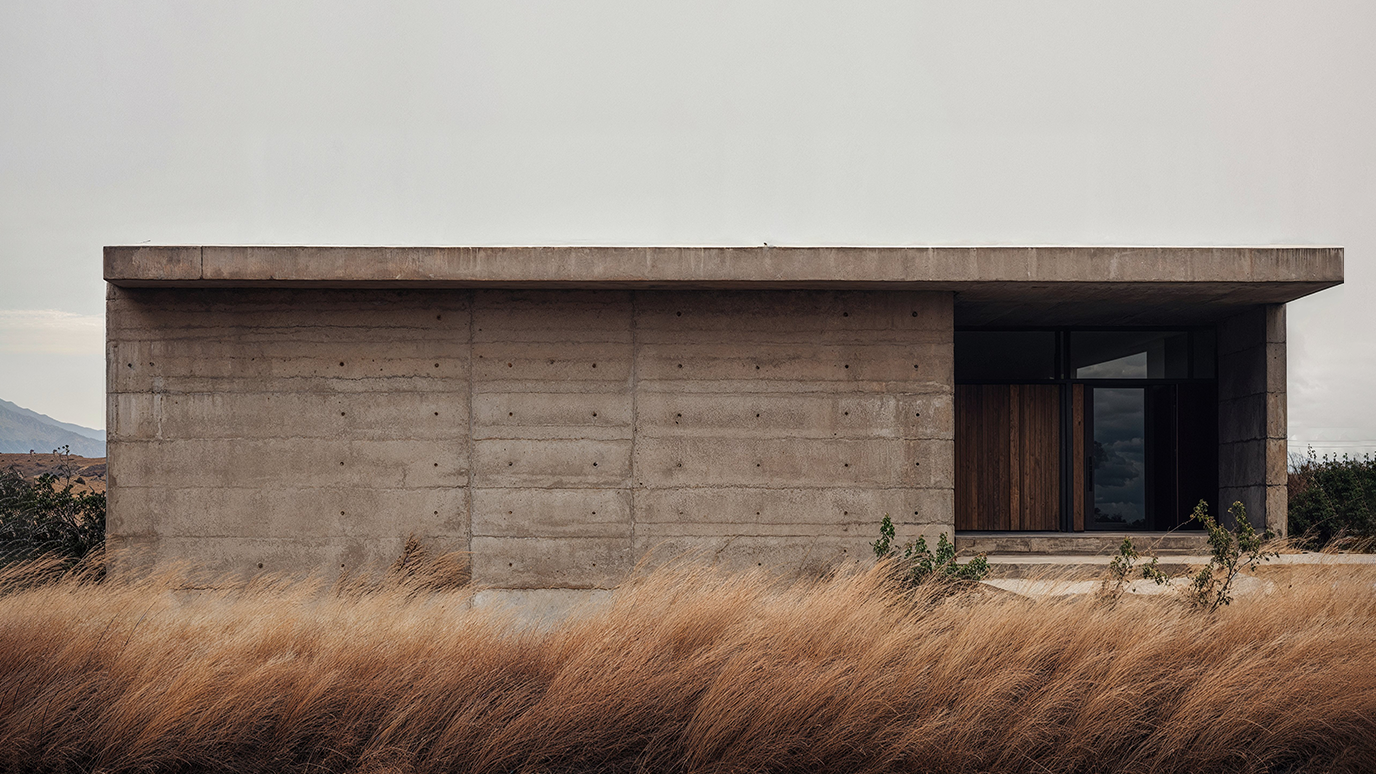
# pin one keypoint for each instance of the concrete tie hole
(594, 464)
(845, 314)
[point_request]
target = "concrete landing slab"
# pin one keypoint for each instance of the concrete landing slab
(1081, 543)
(1062, 568)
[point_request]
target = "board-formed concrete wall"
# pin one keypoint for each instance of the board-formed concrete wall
(560, 436)
(1252, 415)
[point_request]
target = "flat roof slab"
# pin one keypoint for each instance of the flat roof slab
(993, 285)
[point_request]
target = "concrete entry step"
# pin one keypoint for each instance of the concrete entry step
(1087, 544)
(1059, 569)
(1078, 567)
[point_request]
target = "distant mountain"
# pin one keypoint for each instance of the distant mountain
(22, 430)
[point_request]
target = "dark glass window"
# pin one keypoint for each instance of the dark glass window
(1005, 356)
(1130, 354)
(1205, 354)
(1118, 460)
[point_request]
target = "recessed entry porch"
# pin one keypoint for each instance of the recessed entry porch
(1084, 429)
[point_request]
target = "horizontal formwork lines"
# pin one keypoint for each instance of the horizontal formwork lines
(279, 461)
(417, 416)
(563, 434)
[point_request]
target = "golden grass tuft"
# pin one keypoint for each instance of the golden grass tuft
(685, 670)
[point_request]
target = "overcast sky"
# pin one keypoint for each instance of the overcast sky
(1199, 123)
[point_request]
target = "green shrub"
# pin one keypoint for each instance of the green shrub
(1120, 570)
(44, 516)
(1230, 554)
(919, 564)
(1332, 498)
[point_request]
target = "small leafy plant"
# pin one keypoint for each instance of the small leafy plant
(1333, 501)
(1120, 569)
(918, 564)
(1232, 552)
(46, 516)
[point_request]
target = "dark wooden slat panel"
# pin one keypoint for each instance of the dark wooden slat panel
(968, 411)
(997, 460)
(1016, 505)
(1077, 457)
(1007, 457)
(1039, 407)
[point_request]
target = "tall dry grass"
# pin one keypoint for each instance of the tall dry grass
(685, 670)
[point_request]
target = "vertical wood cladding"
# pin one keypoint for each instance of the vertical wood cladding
(1007, 453)
(1079, 460)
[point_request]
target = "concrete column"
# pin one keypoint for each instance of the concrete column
(1251, 415)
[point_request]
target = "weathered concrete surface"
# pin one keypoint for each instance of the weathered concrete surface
(994, 285)
(1252, 415)
(725, 266)
(1054, 569)
(287, 430)
(559, 436)
(1080, 543)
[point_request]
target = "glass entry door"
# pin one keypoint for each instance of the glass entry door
(1118, 458)
(1149, 456)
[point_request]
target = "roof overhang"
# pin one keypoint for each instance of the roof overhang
(993, 285)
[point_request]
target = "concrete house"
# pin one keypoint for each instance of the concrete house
(560, 412)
